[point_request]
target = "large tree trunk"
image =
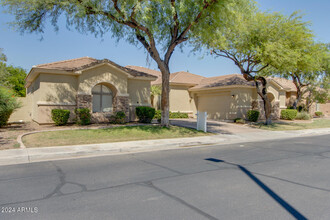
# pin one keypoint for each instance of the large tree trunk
(165, 96)
(299, 94)
(262, 92)
(267, 105)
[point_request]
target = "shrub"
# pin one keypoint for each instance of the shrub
(8, 104)
(289, 114)
(145, 114)
(239, 120)
(289, 107)
(303, 116)
(253, 115)
(158, 115)
(60, 116)
(119, 118)
(83, 116)
(318, 114)
(178, 115)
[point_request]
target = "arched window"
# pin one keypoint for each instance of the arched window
(102, 99)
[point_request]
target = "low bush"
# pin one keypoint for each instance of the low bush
(145, 114)
(178, 115)
(158, 115)
(60, 116)
(118, 118)
(289, 114)
(239, 120)
(253, 115)
(318, 114)
(303, 116)
(83, 116)
(8, 104)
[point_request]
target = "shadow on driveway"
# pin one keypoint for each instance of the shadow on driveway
(214, 126)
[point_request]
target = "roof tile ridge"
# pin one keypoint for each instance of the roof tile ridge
(64, 61)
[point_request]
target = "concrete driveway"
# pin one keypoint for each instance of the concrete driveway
(215, 126)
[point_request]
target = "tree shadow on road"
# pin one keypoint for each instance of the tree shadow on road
(295, 213)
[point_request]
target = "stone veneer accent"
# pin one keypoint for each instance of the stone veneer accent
(121, 103)
(84, 101)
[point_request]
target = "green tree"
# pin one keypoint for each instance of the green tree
(3, 67)
(159, 25)
(8, 104)
(3, 57)
(307, 66)
(155, 90)
(257, 43)
(15, 80)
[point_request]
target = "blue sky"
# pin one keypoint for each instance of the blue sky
(27, 50)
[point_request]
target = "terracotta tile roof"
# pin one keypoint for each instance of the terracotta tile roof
(226, 80)
(285, 83)
(185, 77)
(85, 62)
(68, 65)
(177, 77)
(144, 69)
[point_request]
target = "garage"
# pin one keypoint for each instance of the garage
(217, 105)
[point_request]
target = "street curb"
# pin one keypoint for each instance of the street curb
(29, 155)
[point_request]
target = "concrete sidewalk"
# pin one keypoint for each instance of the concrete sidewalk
(27, 155)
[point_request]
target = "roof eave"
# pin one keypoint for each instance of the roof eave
(219, 87)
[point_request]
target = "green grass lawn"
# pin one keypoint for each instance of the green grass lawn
(116, 134)
(317, 123)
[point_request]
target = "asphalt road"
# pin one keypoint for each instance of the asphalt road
(284, 179)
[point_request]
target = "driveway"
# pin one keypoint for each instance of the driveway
(215, 126)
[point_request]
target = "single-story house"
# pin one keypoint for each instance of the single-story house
(100, 85)
(224, 97)
(106, 87)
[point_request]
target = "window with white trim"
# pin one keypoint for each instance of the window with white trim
(102, 99)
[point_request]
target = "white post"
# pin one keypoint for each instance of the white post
(201, 121)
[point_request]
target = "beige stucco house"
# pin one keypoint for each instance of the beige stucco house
(224, 97)
(100, 85)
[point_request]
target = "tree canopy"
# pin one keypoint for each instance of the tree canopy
(12, 77)
(159, 25)
(258, 43)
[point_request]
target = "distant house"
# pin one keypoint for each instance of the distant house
(224, 97)
(100, 85)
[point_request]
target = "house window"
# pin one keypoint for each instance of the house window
(102, 99)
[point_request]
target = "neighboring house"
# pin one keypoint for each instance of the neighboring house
(100, 85)
(223, 97)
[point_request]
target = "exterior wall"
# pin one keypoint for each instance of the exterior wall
(24, 113)
(56, 89)
(139, 95)
(325, 108)
(44, 113)
(181, 100)
(103, 74)
(139, 92)
(52, 91)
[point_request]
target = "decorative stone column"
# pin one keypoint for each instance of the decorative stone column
(121, 103)
(84, 101)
